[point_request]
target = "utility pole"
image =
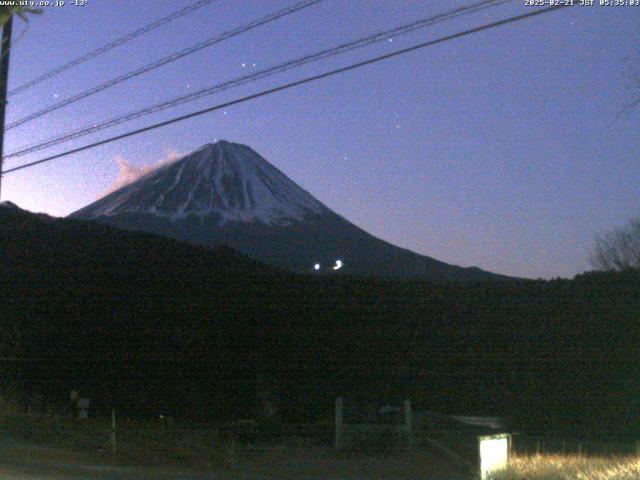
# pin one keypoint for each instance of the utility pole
(5, 50)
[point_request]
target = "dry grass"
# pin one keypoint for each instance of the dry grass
(571, 467)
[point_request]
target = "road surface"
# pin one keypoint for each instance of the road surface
(20, 461)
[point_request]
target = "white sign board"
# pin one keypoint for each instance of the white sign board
(494, 453)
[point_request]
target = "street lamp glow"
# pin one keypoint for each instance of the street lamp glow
(338, 265)
(316, 266)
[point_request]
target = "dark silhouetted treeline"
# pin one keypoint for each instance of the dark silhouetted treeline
(152, 326)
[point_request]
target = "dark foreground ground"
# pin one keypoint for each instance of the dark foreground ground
(36, 462)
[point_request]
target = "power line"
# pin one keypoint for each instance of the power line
(294, 84)
(268, 72)
(109, 46)
(168, 59)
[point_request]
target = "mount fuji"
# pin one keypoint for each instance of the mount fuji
(227, 194)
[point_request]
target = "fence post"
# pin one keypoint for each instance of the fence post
(408, 422)
(113, 430)
(339, 422)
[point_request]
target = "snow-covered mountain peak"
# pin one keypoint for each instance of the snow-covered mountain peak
(226, 181)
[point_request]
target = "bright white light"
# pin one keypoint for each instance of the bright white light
(494, 454)
(338, 265)
(316, 266)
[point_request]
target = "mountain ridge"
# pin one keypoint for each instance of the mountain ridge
(226, 193)
(152, 325)
(233, 194)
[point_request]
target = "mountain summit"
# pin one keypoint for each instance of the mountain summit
(224, 182)
(226, 193)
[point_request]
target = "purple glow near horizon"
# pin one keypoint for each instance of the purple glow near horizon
(506, 149)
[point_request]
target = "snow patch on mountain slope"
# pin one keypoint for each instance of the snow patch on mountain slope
(227, 181)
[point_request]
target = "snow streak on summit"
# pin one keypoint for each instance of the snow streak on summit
(226, 181)
(226, 194)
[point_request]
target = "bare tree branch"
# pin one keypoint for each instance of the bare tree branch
(619, 249)
(633, 77)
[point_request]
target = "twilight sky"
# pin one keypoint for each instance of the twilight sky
(506, 149)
